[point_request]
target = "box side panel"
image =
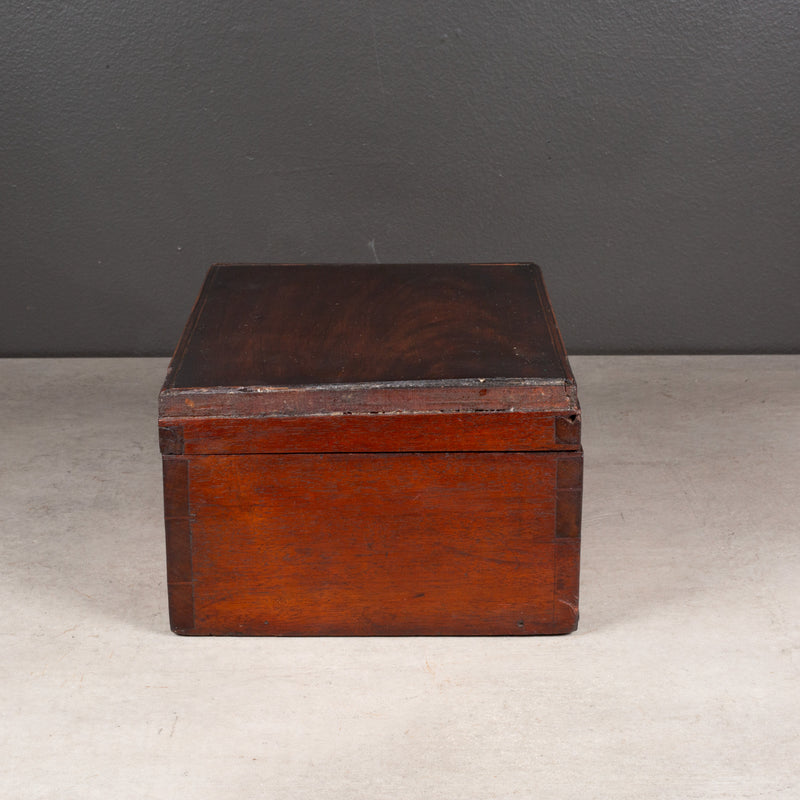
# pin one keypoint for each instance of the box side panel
(388, 544)
(371, 433)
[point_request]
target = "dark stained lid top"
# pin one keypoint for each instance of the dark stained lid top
(309, 339)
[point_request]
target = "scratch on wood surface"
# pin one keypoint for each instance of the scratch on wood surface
(459, 552)
(568, 604)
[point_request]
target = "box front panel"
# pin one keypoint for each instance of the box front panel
(394, 543)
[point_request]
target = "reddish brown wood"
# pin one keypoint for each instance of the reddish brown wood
(568, 558)
(309, 339)
(179, 543)
(176, 488)
(360, 544)
(569, 494)
(368, 323)
(558, 398)
(372, 450)
(362, 433)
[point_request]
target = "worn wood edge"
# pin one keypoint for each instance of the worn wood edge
(568, 429)
(368, 398)
(170, 439)
(180, 597)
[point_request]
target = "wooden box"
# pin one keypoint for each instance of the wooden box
(371, 450)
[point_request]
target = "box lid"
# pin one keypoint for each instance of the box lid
(291, 340)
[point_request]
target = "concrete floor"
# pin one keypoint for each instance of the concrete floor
(681, 682)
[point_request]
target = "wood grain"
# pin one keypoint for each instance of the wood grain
(372, 450)
(362, 433)
(454, 397)
(278, 339)
(351, 544)
(367, 323)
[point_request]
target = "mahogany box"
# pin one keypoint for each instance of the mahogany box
(371, 450)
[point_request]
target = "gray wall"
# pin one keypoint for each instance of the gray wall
(645, 154)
